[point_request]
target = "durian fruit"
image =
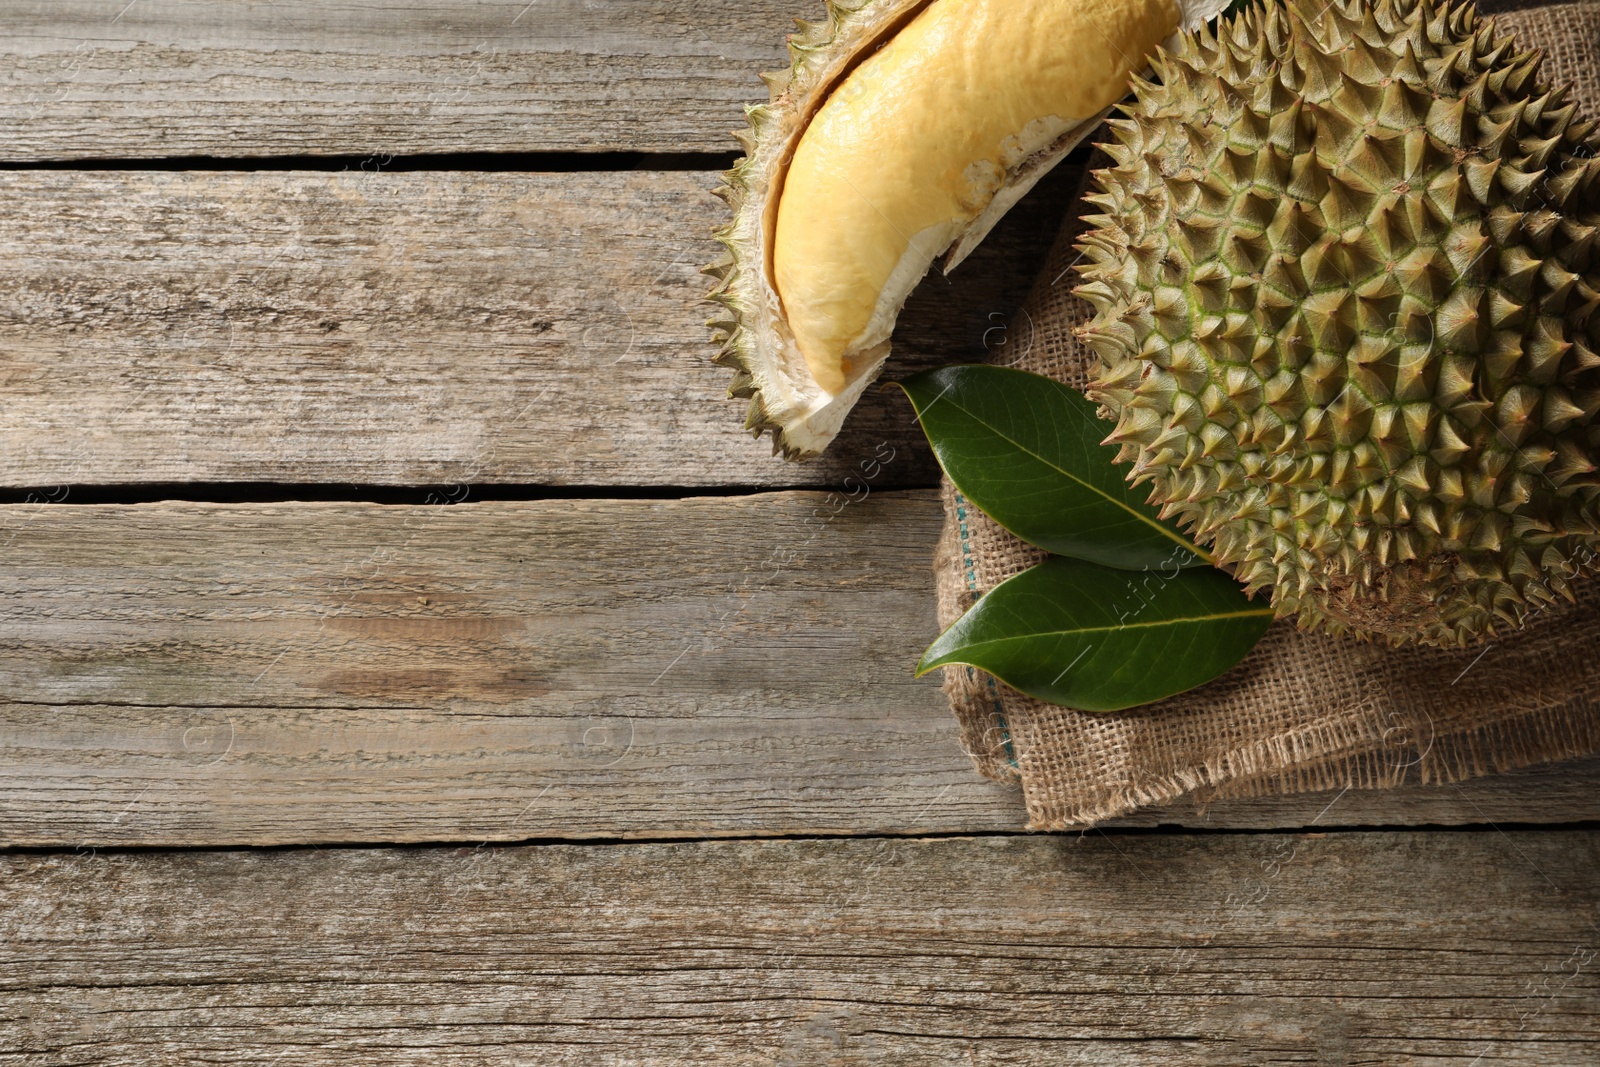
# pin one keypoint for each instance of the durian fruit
(901, 132)
(1346, 287)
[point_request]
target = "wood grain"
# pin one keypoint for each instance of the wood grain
(1421, 948)
(414, 329)
(164, 78)
(192, 674)
(125, 79)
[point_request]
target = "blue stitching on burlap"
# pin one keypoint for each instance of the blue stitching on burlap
(972, 586)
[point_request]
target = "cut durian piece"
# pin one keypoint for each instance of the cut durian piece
(901, 133)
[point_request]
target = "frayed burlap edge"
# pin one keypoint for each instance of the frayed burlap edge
(1422, 715)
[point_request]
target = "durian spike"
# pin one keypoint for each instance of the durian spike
(1404, 371)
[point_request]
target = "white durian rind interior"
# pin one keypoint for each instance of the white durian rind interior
(803, 416)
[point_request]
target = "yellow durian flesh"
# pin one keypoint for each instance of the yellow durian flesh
(802, 409)
(917, 141)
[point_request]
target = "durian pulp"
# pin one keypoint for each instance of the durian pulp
(916, 141)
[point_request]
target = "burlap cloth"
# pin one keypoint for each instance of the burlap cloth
(1302, 712)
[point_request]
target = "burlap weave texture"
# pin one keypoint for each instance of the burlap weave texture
(1302, 712)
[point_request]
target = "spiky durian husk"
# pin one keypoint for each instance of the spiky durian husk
(1345, 284)
(752, 335)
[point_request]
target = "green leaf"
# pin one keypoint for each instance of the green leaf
(1097, 639)
(1026, 450)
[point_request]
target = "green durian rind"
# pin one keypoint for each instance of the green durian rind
(1345, 282)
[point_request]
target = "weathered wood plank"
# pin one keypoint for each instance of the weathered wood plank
(1423, 948)
(126, 79)
(571, 667)
(187, 674)
(412, 329)
(164, 78)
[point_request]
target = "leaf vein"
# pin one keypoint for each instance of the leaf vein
(1145, 519)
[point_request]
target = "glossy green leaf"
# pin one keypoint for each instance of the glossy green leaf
(1097, 639)
(1026, 450)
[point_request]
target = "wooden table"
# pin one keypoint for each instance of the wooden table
(417, 665)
